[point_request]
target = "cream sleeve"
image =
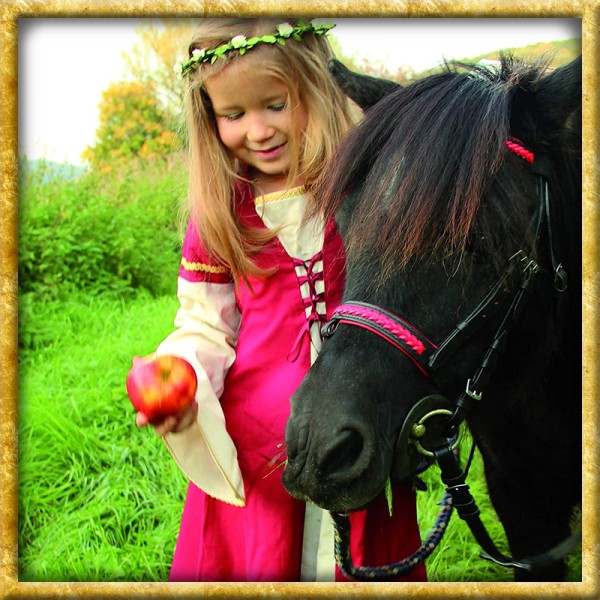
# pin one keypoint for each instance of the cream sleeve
(207, 327)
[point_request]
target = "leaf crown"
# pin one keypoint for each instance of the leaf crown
(241, 44)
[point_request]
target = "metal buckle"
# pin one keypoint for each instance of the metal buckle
(530, 264)
(472, 393)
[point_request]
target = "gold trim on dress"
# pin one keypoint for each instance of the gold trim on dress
(281, 195)
(201, 267)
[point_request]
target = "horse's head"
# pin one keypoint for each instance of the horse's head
(433, 194)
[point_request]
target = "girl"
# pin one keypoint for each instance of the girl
(256, 282)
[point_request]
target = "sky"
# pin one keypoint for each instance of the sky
(66, 63)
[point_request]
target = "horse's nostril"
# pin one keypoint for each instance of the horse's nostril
(342, 454)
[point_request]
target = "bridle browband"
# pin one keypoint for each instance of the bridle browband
(505, 299)
(386, 325)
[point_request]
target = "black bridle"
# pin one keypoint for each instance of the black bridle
(505, 300)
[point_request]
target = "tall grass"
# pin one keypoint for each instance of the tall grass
(99, 500)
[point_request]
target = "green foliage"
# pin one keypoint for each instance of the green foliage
(100, 234)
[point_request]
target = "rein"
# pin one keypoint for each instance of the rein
(398, 569)
(509, 293)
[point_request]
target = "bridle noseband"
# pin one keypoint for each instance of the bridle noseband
(505, 299)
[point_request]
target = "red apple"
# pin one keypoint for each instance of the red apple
(161, 387)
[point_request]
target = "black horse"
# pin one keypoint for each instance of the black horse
(459, 201)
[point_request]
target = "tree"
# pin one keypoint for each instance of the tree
(150, 62)
(132, 124)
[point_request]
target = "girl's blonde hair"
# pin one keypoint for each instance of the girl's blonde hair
(303, 67)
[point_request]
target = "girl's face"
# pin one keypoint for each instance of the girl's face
(253, 118)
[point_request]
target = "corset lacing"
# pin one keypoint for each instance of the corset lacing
(311, 301)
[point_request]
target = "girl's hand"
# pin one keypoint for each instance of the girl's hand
(170, 424)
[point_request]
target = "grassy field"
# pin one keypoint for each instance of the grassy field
(100, 500)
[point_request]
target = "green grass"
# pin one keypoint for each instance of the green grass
(100, 500)
(457, 556)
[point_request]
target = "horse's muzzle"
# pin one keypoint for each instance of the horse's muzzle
(341, 466)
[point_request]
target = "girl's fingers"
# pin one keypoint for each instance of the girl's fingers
(176, 424)
(166, 426)
(187, 418)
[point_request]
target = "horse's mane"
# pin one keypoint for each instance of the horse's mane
(420, 162)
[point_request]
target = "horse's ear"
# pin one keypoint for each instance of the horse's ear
(558, 94)
(365, 90)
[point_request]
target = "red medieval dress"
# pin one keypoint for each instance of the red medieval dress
(250, 350)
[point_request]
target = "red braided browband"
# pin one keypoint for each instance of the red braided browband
(514, 145)
(382, 320)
